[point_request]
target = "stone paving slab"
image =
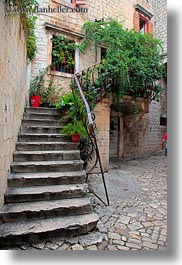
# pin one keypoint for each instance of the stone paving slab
(137, 216)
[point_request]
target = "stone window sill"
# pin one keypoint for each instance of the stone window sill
(61, 74)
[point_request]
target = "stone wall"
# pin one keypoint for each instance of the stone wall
(136, 135)
(160, 109)
(102, 114)
(161, 32)
(160, 29)
(13, 83)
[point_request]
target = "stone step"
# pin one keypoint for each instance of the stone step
(41, 129)
(47, 178)
(46, 166)
(41, 110)
(39, 193)
(12, 212)
(21, 232)
(41, 116)
(46, 146)
(28, 137)
(24, 156)
(38, 122)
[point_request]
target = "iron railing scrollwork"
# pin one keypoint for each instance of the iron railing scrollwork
(92, 146)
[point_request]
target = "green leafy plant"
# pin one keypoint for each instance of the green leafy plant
(40, 87)
(132, 61)
(48, 91)
(75, 115)
(37, 84)
(63, 52)
(65, 102)
(74, 127)
(86, 195)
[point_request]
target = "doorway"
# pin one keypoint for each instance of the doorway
(116, 134)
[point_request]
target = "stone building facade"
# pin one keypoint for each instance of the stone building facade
(124, 135)
(13, 89)
(159, 110)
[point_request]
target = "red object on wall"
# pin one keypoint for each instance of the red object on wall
(35, 101)
(150, 27)
(136, 21)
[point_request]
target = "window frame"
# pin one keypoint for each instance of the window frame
(143, 14)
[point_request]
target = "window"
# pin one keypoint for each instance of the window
(142, 20)
(163, 121)
(103, 53)
(63, 54)
(143, 25)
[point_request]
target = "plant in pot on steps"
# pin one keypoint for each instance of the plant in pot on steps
(75, 129)
(48, 93)
(37, 88)
(65, 103)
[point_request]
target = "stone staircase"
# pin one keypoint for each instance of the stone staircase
(45, 194)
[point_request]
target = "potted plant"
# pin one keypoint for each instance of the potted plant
(65, 102)
(36, 89)
(47, 94)
(35, 97)
(53, 99)
(74, 129)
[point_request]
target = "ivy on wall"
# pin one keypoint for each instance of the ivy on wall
(26, 9)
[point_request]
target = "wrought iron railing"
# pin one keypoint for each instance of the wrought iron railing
(93, 81)
(90, 125)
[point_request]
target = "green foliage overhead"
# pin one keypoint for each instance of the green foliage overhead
(132, 59)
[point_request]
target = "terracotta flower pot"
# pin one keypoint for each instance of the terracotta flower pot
(75, 138)
(64, 112)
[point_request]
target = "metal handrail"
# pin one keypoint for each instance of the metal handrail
(92, 136)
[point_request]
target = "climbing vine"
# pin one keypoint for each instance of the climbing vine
(132, 59)
(26, 9)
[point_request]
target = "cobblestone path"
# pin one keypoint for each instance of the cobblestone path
(137, 216)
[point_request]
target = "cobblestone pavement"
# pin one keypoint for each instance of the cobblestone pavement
(137, 216)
